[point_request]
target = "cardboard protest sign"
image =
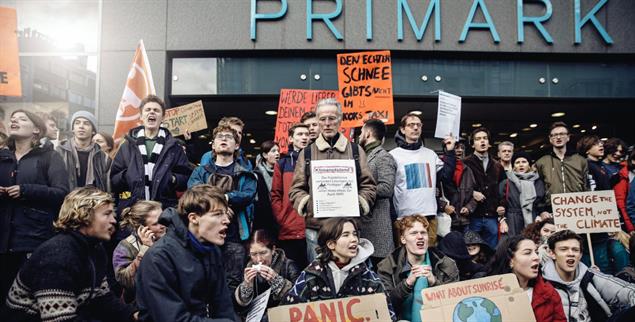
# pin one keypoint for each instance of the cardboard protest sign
(292, 104)
(586, 212)
(496, 298)
(187, 117)
(365, 87)
(10, 84)
(367, 308)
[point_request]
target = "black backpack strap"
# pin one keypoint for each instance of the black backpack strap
(358, 169)
(307, 163)
(595, 309)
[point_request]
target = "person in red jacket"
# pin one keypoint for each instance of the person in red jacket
(291, 237)
(622, 190)
(518, 255)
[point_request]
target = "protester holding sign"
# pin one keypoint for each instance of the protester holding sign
(330, 145)
(523, 194)
(518, 255)
(268, 267)
(340, 269)
(413, 267)
(587, 295)
(149, 164)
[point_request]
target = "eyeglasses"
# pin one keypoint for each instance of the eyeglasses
(224, 137)
(555, 135)
(414, 125)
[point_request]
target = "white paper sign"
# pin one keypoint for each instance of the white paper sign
(334, 188)
(258, 307)
(586, 212)
(448, 116)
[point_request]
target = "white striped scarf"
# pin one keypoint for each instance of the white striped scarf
(150, 161)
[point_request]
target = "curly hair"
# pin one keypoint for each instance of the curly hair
(79, 206)
(408, 222)
(135, 216)
(532, 231)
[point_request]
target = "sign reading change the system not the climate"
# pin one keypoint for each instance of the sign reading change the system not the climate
(586, 212)
(495, 299)
(365, 84)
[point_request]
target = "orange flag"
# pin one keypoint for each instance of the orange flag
(138, 85)
(9, 61)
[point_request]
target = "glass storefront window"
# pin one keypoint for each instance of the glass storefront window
(194, 76)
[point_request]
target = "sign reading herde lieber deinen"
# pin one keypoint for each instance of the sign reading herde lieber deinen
(495, 299)
(586, 212)
(365, 84)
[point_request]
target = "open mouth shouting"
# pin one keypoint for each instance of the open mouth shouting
(570, 263)
(353, 249)
(223, 232)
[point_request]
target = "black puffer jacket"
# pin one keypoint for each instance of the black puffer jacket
(128, 172)
(176, 282)
(26, 222)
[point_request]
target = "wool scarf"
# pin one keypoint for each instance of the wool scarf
(90, 176)
(150, 159)
(525, 184)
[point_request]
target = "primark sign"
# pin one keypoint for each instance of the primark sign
(429, 20)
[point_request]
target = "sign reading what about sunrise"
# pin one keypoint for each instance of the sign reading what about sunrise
(489, 299)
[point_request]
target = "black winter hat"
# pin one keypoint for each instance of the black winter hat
(453, 246)
(522, 154)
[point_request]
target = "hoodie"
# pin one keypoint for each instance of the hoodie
(364, 250)
(591, 296)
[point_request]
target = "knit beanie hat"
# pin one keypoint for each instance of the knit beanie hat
(87, 115)
(522, 154)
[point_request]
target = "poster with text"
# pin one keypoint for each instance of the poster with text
(10, 84)
(292, 105)
(365, 87)
(586, 212)
(448, 116)
(189, 117)
(258, 307)
(367, 308)
(334, 188)
(496, 298)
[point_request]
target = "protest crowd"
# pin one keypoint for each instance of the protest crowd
(92, 231)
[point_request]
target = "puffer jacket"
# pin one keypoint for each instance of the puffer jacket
(325, 281)
(178, 282)
(300, 193)
(560, 176)
(241, 198)
(394, 270)
(100, 167)
(546, 302)
(26, 222)
(128, 172)
(291, 224)
(599, 295)
(623, 191)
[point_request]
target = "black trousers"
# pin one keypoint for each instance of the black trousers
(295, 249)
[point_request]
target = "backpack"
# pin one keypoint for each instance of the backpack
(307, 162)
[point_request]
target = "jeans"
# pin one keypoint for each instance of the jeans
(487, 228)
(311, 244)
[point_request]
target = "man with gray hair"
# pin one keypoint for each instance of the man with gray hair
(505, 154)
(332, 145)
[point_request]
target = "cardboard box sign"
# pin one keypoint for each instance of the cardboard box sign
(367, 308)
(586, 212)
(495, 299)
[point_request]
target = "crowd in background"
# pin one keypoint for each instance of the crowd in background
(94, 232)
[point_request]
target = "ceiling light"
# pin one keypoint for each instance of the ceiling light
(604, 139)
(582, 131)
(252, 141)
(533, 125)
(513, 135)
(526, 129)
(594, 127)
(477, 125)
(575, 126)
(416, 112)
(558, 114)
(523, 146)
(248, 134)
(271, 112)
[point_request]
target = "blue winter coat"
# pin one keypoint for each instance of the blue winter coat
(176, 282)
(128, 172)
(26, 222)
(241, 199)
